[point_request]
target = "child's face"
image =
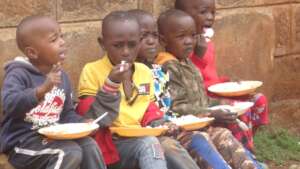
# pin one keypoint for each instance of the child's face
(149, 43)
(203, 12)
(180, 36)
(121, 41)
(48, 43)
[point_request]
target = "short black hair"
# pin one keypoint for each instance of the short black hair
(139, 14)
(179, 4)
(116, 16)
(24, 28)
(165, 18)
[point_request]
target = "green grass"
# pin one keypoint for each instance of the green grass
(277, 145)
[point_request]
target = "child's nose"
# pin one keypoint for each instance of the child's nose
(150, 40)
(210, 16)
(188, 40)
(62, 42)
(126, 52)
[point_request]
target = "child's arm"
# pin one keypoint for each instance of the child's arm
(68, 114)
(201, 46)
(17, 98)
(106, 101)
(180, 101)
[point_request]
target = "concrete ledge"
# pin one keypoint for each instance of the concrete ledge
(4, 163)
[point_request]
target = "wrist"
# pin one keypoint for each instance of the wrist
(110, 87)
(40, 92)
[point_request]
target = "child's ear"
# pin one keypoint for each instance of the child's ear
(162, 40)
(101, 42)
(31, 53)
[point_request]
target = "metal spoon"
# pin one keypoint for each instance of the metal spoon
(100, 118)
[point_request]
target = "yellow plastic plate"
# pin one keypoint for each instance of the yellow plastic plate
(235, 88)
(137, 131)
(238, 107)
(202, 122)
(68, 130)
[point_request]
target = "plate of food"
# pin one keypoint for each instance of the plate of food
(237, 107)
(138, 131)
(68, 130)
(191, 122)
(235, 88)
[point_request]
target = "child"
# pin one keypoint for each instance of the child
(177, 32)
(36, 93)
(117, 72)
(258, 114)
(176, 155)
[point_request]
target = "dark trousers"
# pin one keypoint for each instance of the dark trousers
(38, 153)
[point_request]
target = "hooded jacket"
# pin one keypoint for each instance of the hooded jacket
(23, 113)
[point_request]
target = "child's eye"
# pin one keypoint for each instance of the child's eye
(118, 45)
(53, 39)
(180, 36)
(132, 44)
(155, 35)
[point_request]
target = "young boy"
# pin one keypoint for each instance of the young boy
(176, 155)
(178, 34)
(117, 72)
(203, 11)
(36, 93)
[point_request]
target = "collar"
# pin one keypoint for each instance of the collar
(163, 57)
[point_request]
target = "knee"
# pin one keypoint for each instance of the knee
(73, 154)
(149, 141)
(201, 135)
(170, 145)
(151, 145)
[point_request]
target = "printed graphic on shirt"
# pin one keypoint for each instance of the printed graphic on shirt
(48, 111)
(144, 89)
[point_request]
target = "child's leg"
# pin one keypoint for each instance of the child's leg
(177, 157)
(39, 154)
(146, 152)
(91, 155)
(230, 148)
(205, 148)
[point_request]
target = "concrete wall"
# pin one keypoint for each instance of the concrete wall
(255, 39)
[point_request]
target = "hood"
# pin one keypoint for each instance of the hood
(163, 57)
(20, 62)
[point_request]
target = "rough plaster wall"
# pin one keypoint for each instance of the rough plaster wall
(255, 39)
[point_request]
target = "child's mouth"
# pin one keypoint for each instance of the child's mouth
(62, 55)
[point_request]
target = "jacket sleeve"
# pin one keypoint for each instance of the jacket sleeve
(16, 97)
(180, 99)
(105, 102)
(68, 114)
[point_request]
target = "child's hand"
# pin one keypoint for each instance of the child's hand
(201, 46)
(236, 79)
(173, 129)
(224, 116)
(88, 120)
(119, 72)
(53, 79)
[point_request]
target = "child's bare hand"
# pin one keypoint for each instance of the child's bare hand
(53, 78)
(173, 129)
(201, 46)
(224, 116)
(119, 72)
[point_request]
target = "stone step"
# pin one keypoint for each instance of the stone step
(4, 163)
